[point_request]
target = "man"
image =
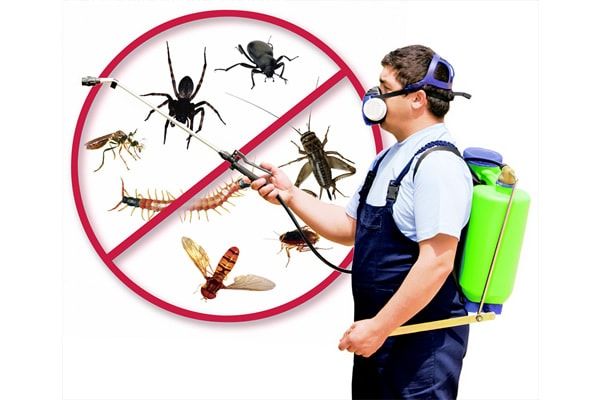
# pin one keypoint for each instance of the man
(405, 224)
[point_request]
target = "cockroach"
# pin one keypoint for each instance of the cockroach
(293, 240)
(152, 205)
(214, 280)
(120, 140)
(262, 59)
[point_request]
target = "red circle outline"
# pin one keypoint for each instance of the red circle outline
(75, 162)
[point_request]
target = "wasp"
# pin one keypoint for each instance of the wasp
(262, 59)
(214, 280)
(120, 140)
(320, 162)
(293, 240)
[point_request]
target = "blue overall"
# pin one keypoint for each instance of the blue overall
(422, 365)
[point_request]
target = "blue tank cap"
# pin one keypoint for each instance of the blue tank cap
(487, 307)
(482, 157)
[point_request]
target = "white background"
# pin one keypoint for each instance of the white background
(72, 330)
(158, 263)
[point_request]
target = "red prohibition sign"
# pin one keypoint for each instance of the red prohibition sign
(109, 257)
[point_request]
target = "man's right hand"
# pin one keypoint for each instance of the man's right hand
(269, 186)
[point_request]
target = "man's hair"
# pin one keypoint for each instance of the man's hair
(411, 64)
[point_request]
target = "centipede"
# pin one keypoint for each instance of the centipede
(215, 200)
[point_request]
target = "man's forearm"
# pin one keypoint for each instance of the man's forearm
(328, 220)
(418, 289)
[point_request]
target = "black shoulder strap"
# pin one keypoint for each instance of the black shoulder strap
(460, 247)
(446, 147)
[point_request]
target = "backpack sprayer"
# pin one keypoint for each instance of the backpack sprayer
(492, 244)
(234, 159)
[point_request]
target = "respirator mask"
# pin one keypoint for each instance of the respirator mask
(374, 108)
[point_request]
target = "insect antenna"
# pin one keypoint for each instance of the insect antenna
(310, 110)
(123, 193)
(260, 108)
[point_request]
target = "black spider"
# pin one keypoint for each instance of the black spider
(182, 109)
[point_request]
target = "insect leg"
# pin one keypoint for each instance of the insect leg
(201, 111)
(102, 163)
(235, 65)
(114, 145)
(336, 163)
(287, 251)
(161, 104)
(241, 50)
(201, 77)
(286, 57)
(300, 150)
(166, 126)
(168, 96)
(255, 71)
(121, 155)
(325, 138)
(191, 126)
(171, 71)
(202, 103)
(303, 248)
(298, 159)
(126, 146)
(339, 164)
(123, 192)
(281, 74)
(338, 154)
(305, 172)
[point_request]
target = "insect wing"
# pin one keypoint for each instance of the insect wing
(198, 256)
(251, 282)
(98, 142)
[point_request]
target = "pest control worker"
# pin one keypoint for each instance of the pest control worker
(405, 222)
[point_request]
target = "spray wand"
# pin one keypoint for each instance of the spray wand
(233, 159)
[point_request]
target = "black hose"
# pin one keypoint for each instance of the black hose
(312, 248)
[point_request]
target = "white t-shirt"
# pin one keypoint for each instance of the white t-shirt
(439, 198)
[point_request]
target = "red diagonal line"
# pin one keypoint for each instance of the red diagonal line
(218, 171)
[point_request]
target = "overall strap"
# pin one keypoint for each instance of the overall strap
(364, 192)
(438, 145)
(430, 147)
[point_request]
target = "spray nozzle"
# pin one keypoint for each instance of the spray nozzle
(93, 81)
(89, 81)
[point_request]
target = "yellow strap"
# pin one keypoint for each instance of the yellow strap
(444, 323)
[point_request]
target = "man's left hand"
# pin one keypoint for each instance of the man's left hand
(363, 338)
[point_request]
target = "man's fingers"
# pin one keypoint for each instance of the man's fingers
(257, 184)
(266, 190)
(267, 166)
(344, 343)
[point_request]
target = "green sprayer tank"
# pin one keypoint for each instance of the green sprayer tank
(487, 242)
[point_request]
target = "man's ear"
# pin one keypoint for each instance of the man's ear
(419, 100)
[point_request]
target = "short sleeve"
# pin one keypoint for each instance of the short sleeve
(352, 206)
(442, 195)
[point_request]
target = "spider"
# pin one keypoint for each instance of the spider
(182, 109)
